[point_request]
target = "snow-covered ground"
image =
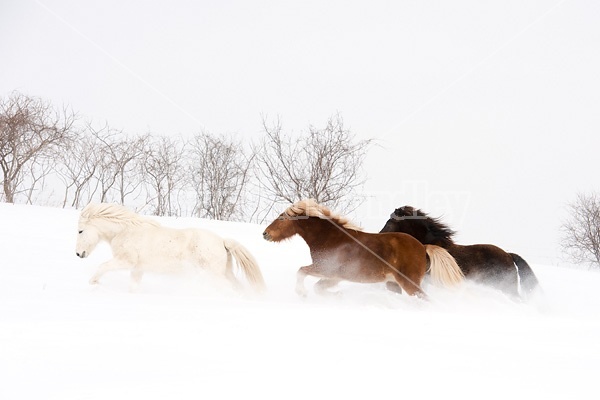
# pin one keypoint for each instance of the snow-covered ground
(190, 337)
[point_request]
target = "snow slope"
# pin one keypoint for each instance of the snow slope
(191, 337)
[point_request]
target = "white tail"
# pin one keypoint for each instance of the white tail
(444, 269)
(247, 263)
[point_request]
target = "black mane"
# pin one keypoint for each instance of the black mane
(437, 232)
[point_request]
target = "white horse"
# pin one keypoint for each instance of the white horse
(141, 244)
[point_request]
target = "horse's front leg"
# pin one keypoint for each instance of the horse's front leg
(110, 265)
(322, 286)
(300, 276)
(136, 278)
(312, 270)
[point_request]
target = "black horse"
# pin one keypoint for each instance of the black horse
(484, 263)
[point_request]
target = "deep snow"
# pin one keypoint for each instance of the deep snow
(189, 336)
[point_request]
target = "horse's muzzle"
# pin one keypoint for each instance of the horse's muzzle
(266, 236)
(81, 255)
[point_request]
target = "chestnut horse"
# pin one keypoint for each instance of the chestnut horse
(484, 263)
(341, 251)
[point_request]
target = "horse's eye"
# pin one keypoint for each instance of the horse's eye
(80, 232)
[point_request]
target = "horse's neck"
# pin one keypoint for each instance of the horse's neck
(426, 235)
(109, 229)
(438, 241)
(316, 231)
(417, 230)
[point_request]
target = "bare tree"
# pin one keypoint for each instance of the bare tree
(163, 173)
(119, 163)
(128, 161)
(37, 172)
(324, 164)
(581, 231)
(30, 129)
(105, 176)
(76, 167)
(219, 173)
(102, 165)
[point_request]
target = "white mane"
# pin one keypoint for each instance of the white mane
(114, 213)
(310, 208)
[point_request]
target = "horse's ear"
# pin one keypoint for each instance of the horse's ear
(401, 212)
(410, 211)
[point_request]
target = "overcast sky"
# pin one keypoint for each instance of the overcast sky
(485, 113)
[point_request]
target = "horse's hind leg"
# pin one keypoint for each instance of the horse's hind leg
(393, 287)
(229, 274)
(410, 285)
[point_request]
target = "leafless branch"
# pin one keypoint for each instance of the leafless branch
(324, 164)
(581, 232)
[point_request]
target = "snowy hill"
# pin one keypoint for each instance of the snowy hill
(190, 337)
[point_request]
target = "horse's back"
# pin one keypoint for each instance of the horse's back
(478, 257)
(395, 249)
(487, 264)
(163, 248)
(401, 241)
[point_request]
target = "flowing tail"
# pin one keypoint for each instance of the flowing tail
(527, 278)
(444, 269)
(247, 263)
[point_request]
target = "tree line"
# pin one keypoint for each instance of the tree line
(48, 156)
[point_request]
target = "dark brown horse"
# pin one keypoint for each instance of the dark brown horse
(341, 251)
(484, 263)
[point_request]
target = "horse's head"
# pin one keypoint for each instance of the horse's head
(103, 222)
(418, 224)
(397, 221)
(88, 237)
(283, 227)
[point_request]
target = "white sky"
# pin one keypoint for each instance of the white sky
(484, 112)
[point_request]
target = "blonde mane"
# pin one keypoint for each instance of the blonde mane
(113, 213)
(310, 208)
